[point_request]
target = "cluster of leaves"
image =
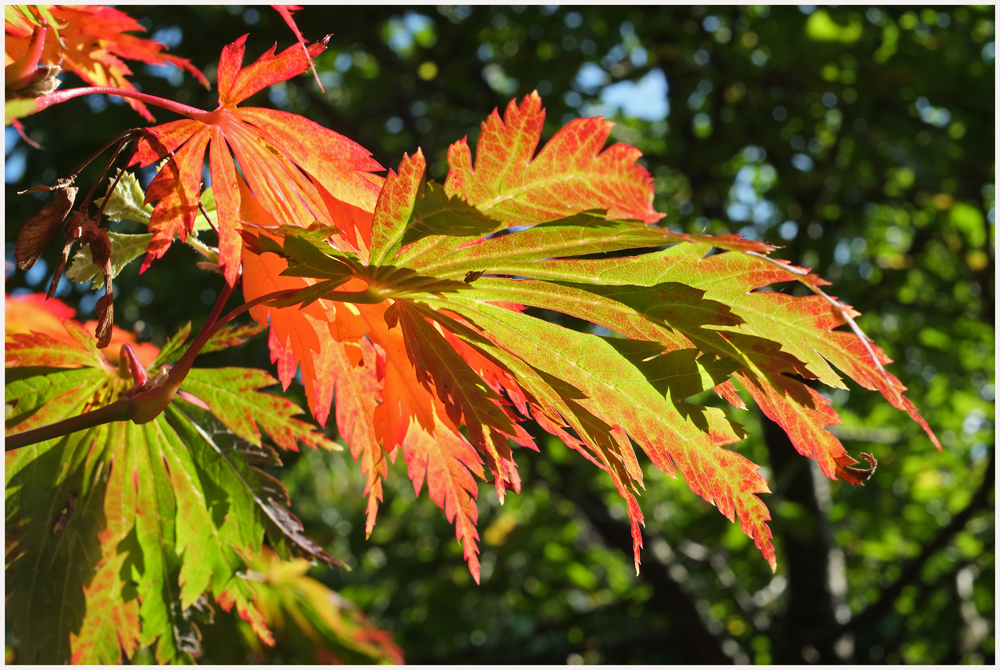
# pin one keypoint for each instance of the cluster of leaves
(136, 523)
(89, 40)
(420, 309)
(440, 298)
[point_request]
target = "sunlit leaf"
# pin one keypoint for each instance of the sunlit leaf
(116, 532)
(452, 304)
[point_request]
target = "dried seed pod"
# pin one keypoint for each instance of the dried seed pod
(37, 232)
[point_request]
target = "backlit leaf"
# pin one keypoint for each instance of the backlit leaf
(293, 167)
(455, 304)
(125, 202)
(92, 42)
(116, 532)
(124, 250)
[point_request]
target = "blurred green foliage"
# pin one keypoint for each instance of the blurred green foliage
(860, 138)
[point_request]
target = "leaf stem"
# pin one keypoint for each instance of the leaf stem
(118, 178)
(210, 328)
(204, 213)
(149, 404)
(209, 252)
(21, 72)
(178, 108)
(227, 291)
(121, 136)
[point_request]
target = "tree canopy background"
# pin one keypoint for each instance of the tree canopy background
(861, 139)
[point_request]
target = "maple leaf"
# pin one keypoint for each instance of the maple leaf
(136, 524)
(451, 299)
(286, 13)
(91, 41)
(569, 175)
(289, 599)
(294, 167)
(35, 314)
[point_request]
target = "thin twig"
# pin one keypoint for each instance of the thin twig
(104, 172)
(118, 178)
(121, 136)
(209, 252)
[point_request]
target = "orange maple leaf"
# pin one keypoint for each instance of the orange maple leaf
(92, 42)
(32, 313)
(439, 301)
(297, 170)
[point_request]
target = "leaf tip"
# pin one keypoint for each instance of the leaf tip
(855, 475)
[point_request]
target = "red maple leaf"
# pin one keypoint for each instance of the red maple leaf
(297, 170)
(439, 301)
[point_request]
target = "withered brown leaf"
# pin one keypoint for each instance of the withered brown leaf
(105, 318)
(86, 231)
(62, 182)
(100, 251)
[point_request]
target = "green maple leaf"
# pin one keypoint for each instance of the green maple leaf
(116, 532)
(452, 282)
(337, 631)
(124, 201)
(124, 250)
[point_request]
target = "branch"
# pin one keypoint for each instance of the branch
(147, 399)
(116, 411)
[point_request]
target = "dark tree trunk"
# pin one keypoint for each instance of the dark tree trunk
(802, 634)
